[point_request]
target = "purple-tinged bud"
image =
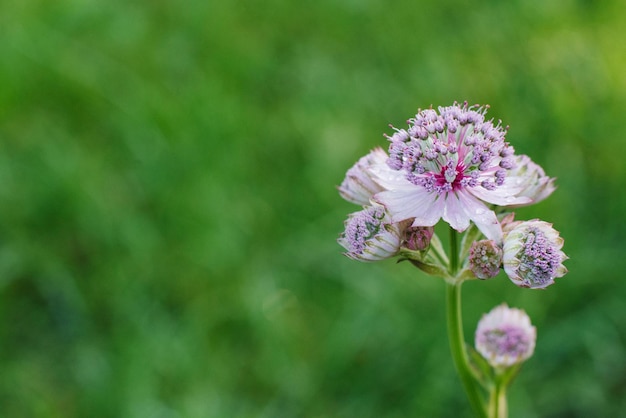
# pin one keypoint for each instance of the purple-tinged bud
(359, 185)
(507, 163)
(536, 185)
(532, 254)
(505, 336)
(418, 237)
(485, 259)
(370, 236)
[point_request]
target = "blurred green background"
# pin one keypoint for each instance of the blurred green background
(168, 210)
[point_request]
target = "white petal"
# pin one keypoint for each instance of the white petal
(484, 218)
(502, 195)
(455, 213)
(389, 178)
(425, 207)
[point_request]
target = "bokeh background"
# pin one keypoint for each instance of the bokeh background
(168, 204)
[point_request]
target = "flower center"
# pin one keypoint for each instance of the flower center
(450, 176)
(454, 148)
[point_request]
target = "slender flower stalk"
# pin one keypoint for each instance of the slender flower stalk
(455, 333)
(498, 406)
(457, 347)
(454, 253)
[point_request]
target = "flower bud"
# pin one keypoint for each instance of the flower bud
(505, 336)
(370, 236)
(485, 259)
(532, 254)
(358, 186)
(536, 185)
(418, 238)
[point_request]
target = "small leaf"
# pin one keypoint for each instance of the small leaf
(482, 370)
(431, 269)
(469, 236)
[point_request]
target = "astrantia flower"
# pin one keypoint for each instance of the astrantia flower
(485, 259)
(450, 164)
(532, 254)
(358, 186)
(536, 185)
(370, 236)
(505, 336)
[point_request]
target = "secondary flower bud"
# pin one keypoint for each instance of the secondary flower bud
(370, 236)
(485, 259)
(418, 237)
(532, 254)
(358, 186)
(505, 336)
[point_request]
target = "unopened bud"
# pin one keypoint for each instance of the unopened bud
(532, 254)
(418, 237)
(485, 259)
(505, 336)
(370, 235)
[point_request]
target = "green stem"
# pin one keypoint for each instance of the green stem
(454, 253)
(457, 346)
(497, 399)
(455, 334)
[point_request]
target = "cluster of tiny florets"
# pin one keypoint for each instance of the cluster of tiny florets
(506, 340)
(539, 258)
(362, 227)
(505, 336)
(451, 149)
(485, 259)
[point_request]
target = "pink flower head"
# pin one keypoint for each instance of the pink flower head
(505, 336)
(449, 164)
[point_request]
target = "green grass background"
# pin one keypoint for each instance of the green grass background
(168, 211)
